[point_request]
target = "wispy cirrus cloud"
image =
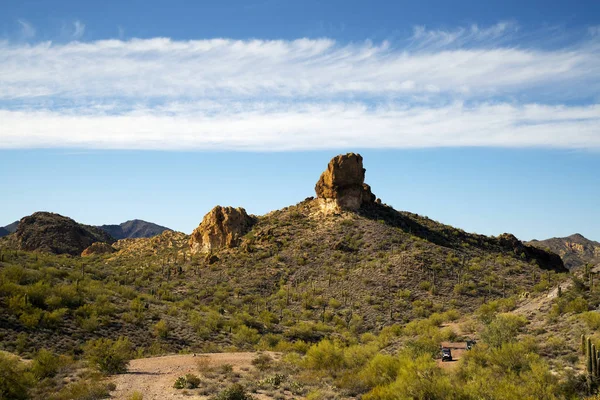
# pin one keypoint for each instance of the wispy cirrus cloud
(78, 30)
(27, 29)
(470, 86)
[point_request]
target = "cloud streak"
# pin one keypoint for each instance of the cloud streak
(466, 87)
(273, 127)
(27, 29)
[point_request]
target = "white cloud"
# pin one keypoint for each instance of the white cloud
(465, 87)
(78, 30)
(164, 68)
(27, 29)
(293, 126)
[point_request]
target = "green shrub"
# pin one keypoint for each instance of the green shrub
(161, 329)
(15, 380)
(83, 390)
(45, 364)
(135, 396)
(245, 336)
(262, 361)
(324, 356)
(592, 319)
(108, 356)
(234, 392)
(503, 329)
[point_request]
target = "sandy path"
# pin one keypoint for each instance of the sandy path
(154, 377)
(458, 349)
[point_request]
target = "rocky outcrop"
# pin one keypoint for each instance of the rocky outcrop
(344, 183)
(98, 248)
(545, 259)
(222, 227)
(53, 233)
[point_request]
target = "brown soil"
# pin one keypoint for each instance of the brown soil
(154, 377)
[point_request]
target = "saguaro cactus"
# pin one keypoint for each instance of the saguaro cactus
(594, 361)
(589, 356)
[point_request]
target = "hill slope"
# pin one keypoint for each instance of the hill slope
(133, 229)
(575, 250)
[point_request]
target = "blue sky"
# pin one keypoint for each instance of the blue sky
(483, 115)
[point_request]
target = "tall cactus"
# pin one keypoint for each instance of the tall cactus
(594, 361)
(589, 356)
(583, 345)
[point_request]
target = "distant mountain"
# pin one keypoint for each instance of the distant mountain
(575, 250)
(12, 228)
(54, 233)
(133, 229)
(8, 229)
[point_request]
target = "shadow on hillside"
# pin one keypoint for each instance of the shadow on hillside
(452, 238)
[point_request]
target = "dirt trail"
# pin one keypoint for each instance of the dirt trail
(154, 377)
(458, 349)
(529, 307)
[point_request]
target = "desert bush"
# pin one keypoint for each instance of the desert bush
(592, 319)
(161, 329)
(108, 356)
(245, 336)
(262, 361)
(83, 390)
(135, 396)
(417, 378)
(45, 364)
(324, 356)
(234, 392)
(189, 381)
(15, 380)
(503, 329)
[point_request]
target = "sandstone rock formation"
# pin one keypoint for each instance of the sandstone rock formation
(98, 248)
(222, 227)
(343, 183)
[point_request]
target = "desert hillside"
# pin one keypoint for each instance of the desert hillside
(338, 285)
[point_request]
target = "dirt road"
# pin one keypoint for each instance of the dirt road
(154, 377)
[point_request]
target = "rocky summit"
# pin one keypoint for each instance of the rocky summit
(343, 183)
(222, 227)
(54, 233)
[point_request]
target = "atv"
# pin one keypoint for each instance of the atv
(446, 354)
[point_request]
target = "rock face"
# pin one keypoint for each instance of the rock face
(49, 232)
(575, 250)
(222, 227)
(545, 259)
(98, 248)
(343, 182)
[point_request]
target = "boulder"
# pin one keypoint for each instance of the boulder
(343, 182)
(98, 248)
(222, 227)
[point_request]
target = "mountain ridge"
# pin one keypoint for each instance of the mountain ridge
(133, 229)
(576, 250)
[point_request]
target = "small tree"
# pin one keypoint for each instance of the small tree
(109, 356)
(161, 329)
